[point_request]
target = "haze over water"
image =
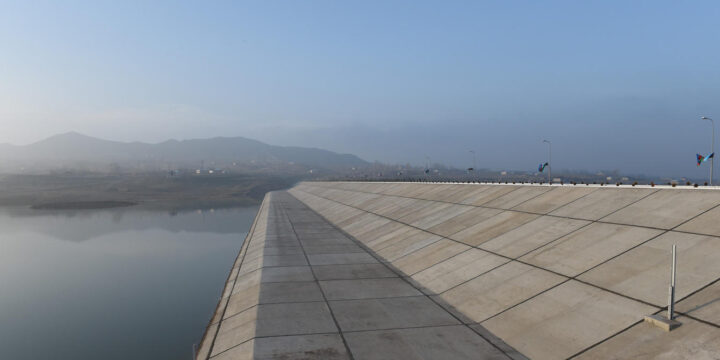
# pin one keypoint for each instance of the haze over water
(112, 284)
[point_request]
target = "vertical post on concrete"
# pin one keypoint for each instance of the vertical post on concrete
(671, 300)
(194, 351)
(549, 161)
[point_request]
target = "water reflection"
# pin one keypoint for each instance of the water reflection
(82, 225)
(112, 284)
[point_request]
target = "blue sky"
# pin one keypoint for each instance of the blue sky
(614, 84)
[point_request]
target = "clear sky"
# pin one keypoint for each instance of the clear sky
(614, 84)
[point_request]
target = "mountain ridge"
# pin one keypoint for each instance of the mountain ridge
(76, 149)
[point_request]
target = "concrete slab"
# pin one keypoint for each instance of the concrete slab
(204, 348)
(497, 291)
(284, 260)
(392, 237)
(492, 193)
(353, 271)
(554, 324)
(493, 227)
(601, 203)
(463, 221)
(666, 209)
(367, 289)
(242, 300)
(373, 233)
(692, 340)
(463, 193)
(517, 197)
(432, 208)
(236, 330)
(410, 206)
(286, 292)
(286, 274)
(456, 270)
(532, 235)
(588, 247)
(407, 245)
(296, 347)
(644, 272)
(428, 256)
(706, 223)
(283, 250)
(704, 305)
(339, 240)
(245, 281)
(554, 199)
(333, 249)
(428, 343)
(393, 313)
(441, 216)
(337, 259)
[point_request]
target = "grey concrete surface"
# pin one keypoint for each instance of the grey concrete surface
(428, 343)
(498, 290)
(644, 272)
(303, 296)
(390, 313)
(705, 304)
(693, 340)
(588, 247)
(565, 320)
(532, 235)
(468, 271)
(456, 270)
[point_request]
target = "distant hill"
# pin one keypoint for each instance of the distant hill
(74, 150)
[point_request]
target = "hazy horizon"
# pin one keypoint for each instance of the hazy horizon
(614, 85)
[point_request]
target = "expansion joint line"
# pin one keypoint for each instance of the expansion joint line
(568, 277)
(332, 314)
(663, 231)
(243, 251)
(402, 276)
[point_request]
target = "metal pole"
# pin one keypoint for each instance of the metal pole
(549, 161)
(671, 300)
(712, 148)
(473, 158)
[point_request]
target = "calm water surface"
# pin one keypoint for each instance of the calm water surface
(112, 284)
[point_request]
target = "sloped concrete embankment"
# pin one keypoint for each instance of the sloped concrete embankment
(302, 289)
(555, 272)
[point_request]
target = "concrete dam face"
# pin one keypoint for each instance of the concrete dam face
(356, 270)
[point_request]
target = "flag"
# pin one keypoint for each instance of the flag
(541, 167)
(701, 159)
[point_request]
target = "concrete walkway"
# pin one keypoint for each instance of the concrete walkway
(555, 272)
(302, 289)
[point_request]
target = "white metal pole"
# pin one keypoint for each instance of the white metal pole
(671, 300)
(712, 148)
(549, 161)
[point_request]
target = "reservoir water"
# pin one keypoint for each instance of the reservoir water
(112, 284)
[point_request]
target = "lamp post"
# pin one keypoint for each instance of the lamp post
(712, 149)
(549, 161)
(473, 160)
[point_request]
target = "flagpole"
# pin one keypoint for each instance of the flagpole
(549, 161)
(712, 149)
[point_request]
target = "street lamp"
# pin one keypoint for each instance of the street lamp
(473, 162)
(549, 161)
(712, 149)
